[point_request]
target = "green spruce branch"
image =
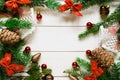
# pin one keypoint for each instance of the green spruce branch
(83, 63)
(88, 3)
(53, 4)
(18, 57)
(72, 72)
(83, 71)
(115, 71)
(113, 18)
(16, 23)
(3, 76)
(34, 73)
(2, 4)
(104, 76)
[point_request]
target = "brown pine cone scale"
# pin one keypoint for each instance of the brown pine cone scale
(104, 58)
(9, 37)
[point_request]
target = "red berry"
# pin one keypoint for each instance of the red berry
(74, 65)
(44, 66)
(39, 17)
(89, 25)
(27, 49)
(88, 52)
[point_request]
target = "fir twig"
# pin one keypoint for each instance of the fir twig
(1, 4)
(18, 57)
(3, 76)
(47, 71)
(104, 76)
(83, 63)
(48, 3)
(52, 4)
(16, 23)
(72, 72)
(115, 71)
(36, 3)
(88, 3)
(1, 24)
(113, 18)
(34, 72)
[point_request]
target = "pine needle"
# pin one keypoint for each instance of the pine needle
(34, 72)
(72, 72)
(16, 23)
(83, 63)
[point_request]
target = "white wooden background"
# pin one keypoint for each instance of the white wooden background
(56, 37)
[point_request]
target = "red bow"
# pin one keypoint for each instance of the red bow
(10, 68)
(13, 4)
(91, 77)
(96, 71)
(75, 8)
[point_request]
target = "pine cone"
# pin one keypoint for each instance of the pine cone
(9, 37)
(104, 58)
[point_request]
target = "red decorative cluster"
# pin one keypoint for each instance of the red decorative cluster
(96, 71)
(10, 68)
(75, 8)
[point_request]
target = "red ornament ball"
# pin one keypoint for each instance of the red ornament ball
(74, 65)
(44, 66)
(39, 17)
(27, 49)
(89, 25)
(88, 52)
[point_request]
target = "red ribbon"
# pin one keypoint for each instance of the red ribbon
(96, 71)
(91, 77)
(13, 4)
(10, 68)
(75, 8)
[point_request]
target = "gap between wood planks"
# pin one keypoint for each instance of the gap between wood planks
(57, 51)
(60, 26)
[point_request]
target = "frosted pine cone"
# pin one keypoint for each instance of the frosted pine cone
(104, 58)
(9, 37)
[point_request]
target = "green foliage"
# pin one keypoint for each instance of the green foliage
(3, 76)
(1, 24)
(115, 71)
(72, 72)
(83, 71)
(88, 3)
(113, 18)
(18, 56)
(36, 3)
(83, 63)
(47, 71)
(16, 23)
(48, 3)
(118, 31)
(34, 72)
(104, 76)
(2, 4)
(52, 4)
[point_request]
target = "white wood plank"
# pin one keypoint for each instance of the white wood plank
(61, 78)
(61, 39)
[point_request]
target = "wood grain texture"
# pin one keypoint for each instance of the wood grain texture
(56, 37)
